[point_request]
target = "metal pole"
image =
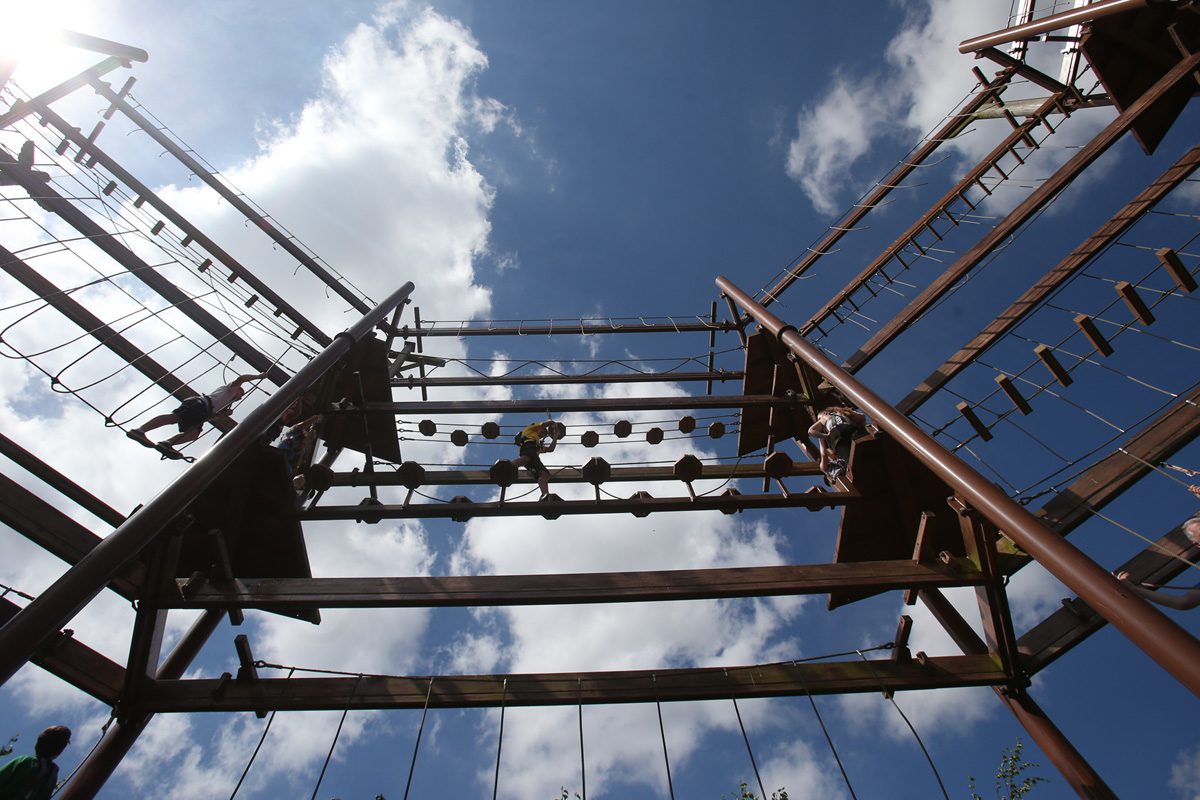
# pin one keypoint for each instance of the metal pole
(1105, 8)
(100, 764)
(1175, 650)
(42, 618)
(1086, 782)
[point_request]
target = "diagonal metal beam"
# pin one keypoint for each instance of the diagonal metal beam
(1036, 200)
(1079, 258)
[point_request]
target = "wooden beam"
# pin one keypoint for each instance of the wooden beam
(76, 663)
(571, 688)
(598, 587)
(541, 406)
(552, 508)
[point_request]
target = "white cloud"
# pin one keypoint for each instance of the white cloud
(1185, 774)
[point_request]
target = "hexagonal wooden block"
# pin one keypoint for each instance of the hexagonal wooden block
(318, 477)
(366, 503)
(641, 496)
(730, 492)
(687, 424)
(596, 471)
(459, 438)
(716, 430)
(688, 468)
(490, 430)
(412, 475)
(503, 473)
(589, 439)
(622, 429)
(427, 427)
(654, 435)
(551, 498)
(777, 465)
(458, 499)
(560, 430)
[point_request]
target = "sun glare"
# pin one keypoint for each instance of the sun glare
(29, 36)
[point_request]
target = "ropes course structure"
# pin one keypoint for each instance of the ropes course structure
(118, 303)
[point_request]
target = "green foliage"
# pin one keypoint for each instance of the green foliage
(744, 793)
(567, 795)
(1012, 765)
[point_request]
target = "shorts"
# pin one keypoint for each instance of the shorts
(532, 451)
(193, 412)
(840, 438)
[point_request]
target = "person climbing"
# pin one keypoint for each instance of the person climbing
(835, 428)
(191, 415)
(1183, 601)
(530, 441)
(35, 777)
(297, 442)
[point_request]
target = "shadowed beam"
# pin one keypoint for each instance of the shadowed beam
(541, 406)
(647, 505)
(597, 587)
(76, 663)
(571, 688)
(570, 474)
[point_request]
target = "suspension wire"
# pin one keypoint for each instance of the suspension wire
(10, 590)
(336, 734)
(499, 739)
(412, 767)
(582, 763)
(1153, 544)
(1160, 470)
(112, 715)
(746, 739)
(662, 732)
(916, 735)
(261, 739)
(824, 730)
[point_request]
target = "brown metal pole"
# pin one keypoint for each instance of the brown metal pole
(1076, 16)
(1173, 648)
(42, 618)
(100, 764)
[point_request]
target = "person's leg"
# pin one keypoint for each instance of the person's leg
(160, 421)
(189, 435)
(543, 479)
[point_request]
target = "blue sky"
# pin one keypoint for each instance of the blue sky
(537, 159)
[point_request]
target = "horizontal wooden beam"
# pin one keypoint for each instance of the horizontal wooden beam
(596, 587)
(570, 688)
(570, 474)
(542, 405)
(564, 327)
(638, 505)
(413, 382)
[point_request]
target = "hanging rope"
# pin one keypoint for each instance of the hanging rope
(662, 734)
(500, 739)
(907, 722)
(746, 739)
(103, 732)
(336, 734)
(254, 755)
(417, 744)
(582, 764)
(824, 730)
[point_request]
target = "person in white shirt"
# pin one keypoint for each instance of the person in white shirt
(193, 412)
(835, 428)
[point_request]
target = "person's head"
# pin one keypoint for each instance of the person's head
(1191, 529)
(52, 741)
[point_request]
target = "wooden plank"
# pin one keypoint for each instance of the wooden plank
(598, 587)
(571, 688)
(541, 406)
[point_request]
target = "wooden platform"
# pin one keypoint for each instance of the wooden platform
(883, 524)
(253, 505)
(362, 378)
(763, 353)
(1129, 52)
